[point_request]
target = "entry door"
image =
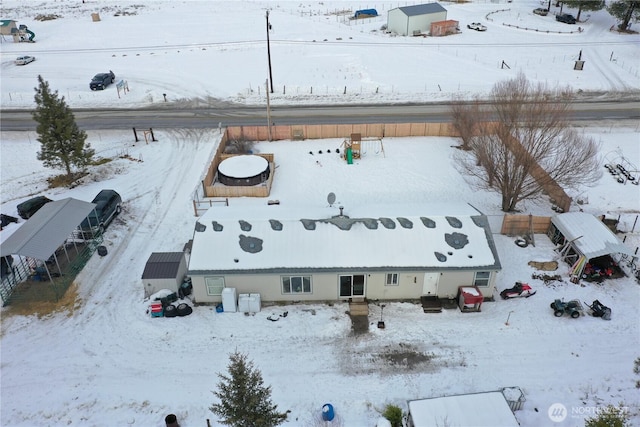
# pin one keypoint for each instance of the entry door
(430, 284)
(352, 286)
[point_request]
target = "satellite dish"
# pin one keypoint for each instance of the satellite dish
(331, 198)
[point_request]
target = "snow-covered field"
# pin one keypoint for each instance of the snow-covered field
(104, 361)
(213, 50)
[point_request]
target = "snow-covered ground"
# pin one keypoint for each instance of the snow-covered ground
(104, 361)
(216, 50)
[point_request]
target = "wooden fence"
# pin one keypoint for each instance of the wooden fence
(378, 130)
(517, 225)
(511, 225)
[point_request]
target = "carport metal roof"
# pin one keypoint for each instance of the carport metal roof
(47, 229)
(590, 236)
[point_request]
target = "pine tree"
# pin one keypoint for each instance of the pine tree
(584, 5)
(244, 400)
(610, 416)
(626, 11)
(62, 144)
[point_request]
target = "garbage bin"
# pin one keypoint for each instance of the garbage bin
(171, 421)
(327, 412)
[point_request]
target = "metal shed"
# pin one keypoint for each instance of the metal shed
(164, 270)
(408, 20)
(444, 28)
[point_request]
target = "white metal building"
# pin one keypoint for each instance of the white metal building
(409, 20)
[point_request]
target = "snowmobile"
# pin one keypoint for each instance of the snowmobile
(519, 290)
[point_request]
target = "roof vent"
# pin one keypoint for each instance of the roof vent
(440, 257)
(388, 223)
(216, 226)
(454, 222)
(428, 222)
(275, 225)
(370, 223)
(253, 245)
(405, 223)
(200, 227)
(456, 240)
(244, 225)
(308, 224)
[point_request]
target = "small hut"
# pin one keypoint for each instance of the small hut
(444, 28)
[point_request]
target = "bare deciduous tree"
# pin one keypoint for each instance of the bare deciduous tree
(528, 145)
(465, 115)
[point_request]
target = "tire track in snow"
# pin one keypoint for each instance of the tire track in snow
(178, 166)
(606, 71)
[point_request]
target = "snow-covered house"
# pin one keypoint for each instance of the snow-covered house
(409, 20)
(373, 252)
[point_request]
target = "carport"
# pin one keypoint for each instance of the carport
(584, 238)
(45, 248)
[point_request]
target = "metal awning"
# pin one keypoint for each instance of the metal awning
(590, 236)
(47, 229)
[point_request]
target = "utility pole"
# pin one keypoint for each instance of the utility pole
(266, 83)
(269, 53)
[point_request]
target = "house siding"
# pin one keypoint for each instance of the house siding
(325, 286)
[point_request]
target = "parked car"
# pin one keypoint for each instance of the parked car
(566, 18)
(476, 26)
(541, 11)
(28, 208)
(102, 80)
(107, 207)
(24, 60)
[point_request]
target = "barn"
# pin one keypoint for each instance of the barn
(164, 270)
(417, 19)
(339, 254)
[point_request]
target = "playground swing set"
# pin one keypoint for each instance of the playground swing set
(20, 33)
(356, 146)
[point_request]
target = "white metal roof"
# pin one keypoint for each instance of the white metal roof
(365, 237)
(592, 237)
(489, 409)
(47, 229)
(422, 9)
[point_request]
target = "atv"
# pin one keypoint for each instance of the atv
(599, 310)
(573, 308)
(519, 290)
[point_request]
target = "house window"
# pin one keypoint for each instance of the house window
(214, 285)
(296, 284)
(481, 278)
(392, 279)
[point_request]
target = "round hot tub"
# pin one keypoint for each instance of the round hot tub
(245, 170)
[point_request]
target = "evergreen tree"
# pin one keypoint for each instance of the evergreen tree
(610, 416)
(584, 5)
(626, 11)
(244, 400)
(62, 144)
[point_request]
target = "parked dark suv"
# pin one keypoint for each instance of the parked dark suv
(28, 208)
(102, 80)
(107, 207)
(566, 18)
